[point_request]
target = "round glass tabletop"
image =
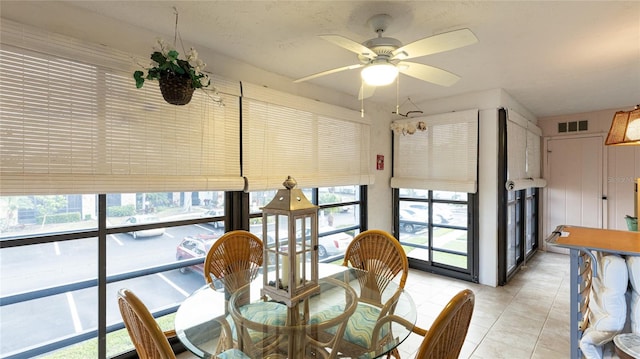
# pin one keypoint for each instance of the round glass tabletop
(348, 305)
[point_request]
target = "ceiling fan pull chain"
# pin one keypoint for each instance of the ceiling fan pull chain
(361, 99)
(397, 94)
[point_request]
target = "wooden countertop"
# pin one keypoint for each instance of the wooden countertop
(605, 240)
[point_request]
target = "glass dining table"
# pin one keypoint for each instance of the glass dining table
(338, 320)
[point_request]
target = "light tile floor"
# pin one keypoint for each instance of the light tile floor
(527, 318)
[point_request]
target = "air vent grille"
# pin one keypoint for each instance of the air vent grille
(573, 126)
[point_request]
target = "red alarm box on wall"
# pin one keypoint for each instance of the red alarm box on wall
(380, 162)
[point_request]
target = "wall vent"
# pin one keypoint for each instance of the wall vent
(573, 126)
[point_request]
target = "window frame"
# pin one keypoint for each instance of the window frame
(471, 273)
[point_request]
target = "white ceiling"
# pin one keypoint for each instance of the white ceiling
(554, 57)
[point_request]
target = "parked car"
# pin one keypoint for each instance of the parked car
(196, 247)
(328, 246)
(142, 219)
(412, 220)
(333, 244)
(418, 207)
(441, 214)
(218, 212)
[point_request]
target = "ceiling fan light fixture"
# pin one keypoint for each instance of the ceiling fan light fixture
(625, 128)
(379, 74)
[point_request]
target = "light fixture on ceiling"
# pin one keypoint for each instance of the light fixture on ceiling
(379, 73)
(625, 128)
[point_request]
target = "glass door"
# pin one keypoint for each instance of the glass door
(514, 234)
(522, 224)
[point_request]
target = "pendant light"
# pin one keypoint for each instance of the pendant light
(625, 128)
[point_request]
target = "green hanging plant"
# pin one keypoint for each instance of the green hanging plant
(165, 63)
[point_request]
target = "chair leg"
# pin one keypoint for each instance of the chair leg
(395, 353)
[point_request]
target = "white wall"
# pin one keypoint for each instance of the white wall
(622, 163)
(380, 193)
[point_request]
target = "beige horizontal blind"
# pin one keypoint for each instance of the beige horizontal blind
(523, 153)
(317, 144)
(444, 157)
(69, 126)
(533, 151)
(516, 146)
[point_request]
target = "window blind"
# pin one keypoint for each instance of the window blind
(533, 151)
(72, 121)
(318, 144)
(444, 157)
(523, 153)
(516, 146)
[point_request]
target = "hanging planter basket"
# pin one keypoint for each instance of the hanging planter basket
(176, 90)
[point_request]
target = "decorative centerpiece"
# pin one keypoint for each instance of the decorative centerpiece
(178, 78)
(292, 246)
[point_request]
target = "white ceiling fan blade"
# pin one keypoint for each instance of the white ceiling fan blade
(323, 73)
(366, 91)
(350, 45)
(428, 73)
(435, 44)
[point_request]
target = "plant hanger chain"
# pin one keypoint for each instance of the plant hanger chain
(216, 98)
(417, 111)
(176, 34)
(175, 30)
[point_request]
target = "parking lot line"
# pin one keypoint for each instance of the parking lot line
(208, 229)
(77, 326)
(180, 290)
(115, 238)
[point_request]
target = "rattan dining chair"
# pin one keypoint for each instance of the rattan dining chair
(445, 337)
(145, 333)
(235, 259)
(377, 252)
(381, 258)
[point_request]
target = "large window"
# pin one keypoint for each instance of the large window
(154, 244)
(436, 231)
(74, 125)
(435, 176)
(49, 262)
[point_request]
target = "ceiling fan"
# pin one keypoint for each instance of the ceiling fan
(382, 58)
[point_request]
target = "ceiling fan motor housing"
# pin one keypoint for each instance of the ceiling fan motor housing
(381, 46)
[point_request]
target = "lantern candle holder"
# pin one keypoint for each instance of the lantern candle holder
(292, 248)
